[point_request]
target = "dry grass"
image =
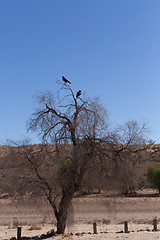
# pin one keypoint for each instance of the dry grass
(35, 227)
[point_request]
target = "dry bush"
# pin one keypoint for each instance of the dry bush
(35, 226)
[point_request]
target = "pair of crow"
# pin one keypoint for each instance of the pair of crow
(67, 81)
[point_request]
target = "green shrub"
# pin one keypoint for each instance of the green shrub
(153, 176)
(64, 166)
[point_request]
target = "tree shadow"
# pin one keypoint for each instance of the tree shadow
(141, 195)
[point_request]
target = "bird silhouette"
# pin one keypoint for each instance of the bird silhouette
(65, 80)
(78, 94)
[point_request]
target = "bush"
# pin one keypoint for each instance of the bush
(153, 176)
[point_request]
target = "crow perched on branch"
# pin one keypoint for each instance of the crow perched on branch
(65, 80)
(78, 94)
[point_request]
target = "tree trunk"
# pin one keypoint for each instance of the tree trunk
(63, 211)
(61, 224)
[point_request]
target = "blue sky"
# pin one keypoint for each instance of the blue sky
(106, 48)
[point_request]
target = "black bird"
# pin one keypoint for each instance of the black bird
(78, 94)
(65, 80)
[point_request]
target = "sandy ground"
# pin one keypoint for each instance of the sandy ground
(108, 212)
(85, 232)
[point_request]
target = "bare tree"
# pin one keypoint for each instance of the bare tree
(76, 127)
(75, 139)
(128, 155)
(119, 163)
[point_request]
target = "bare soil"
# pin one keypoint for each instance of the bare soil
(109, 213)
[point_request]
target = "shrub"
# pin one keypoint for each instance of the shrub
(34, 227)
(153, 176)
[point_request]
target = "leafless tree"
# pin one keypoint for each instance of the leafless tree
(128, 155)
(120, 166)
(75, 139)
(76, 127)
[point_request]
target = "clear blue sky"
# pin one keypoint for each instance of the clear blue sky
(106, 48)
